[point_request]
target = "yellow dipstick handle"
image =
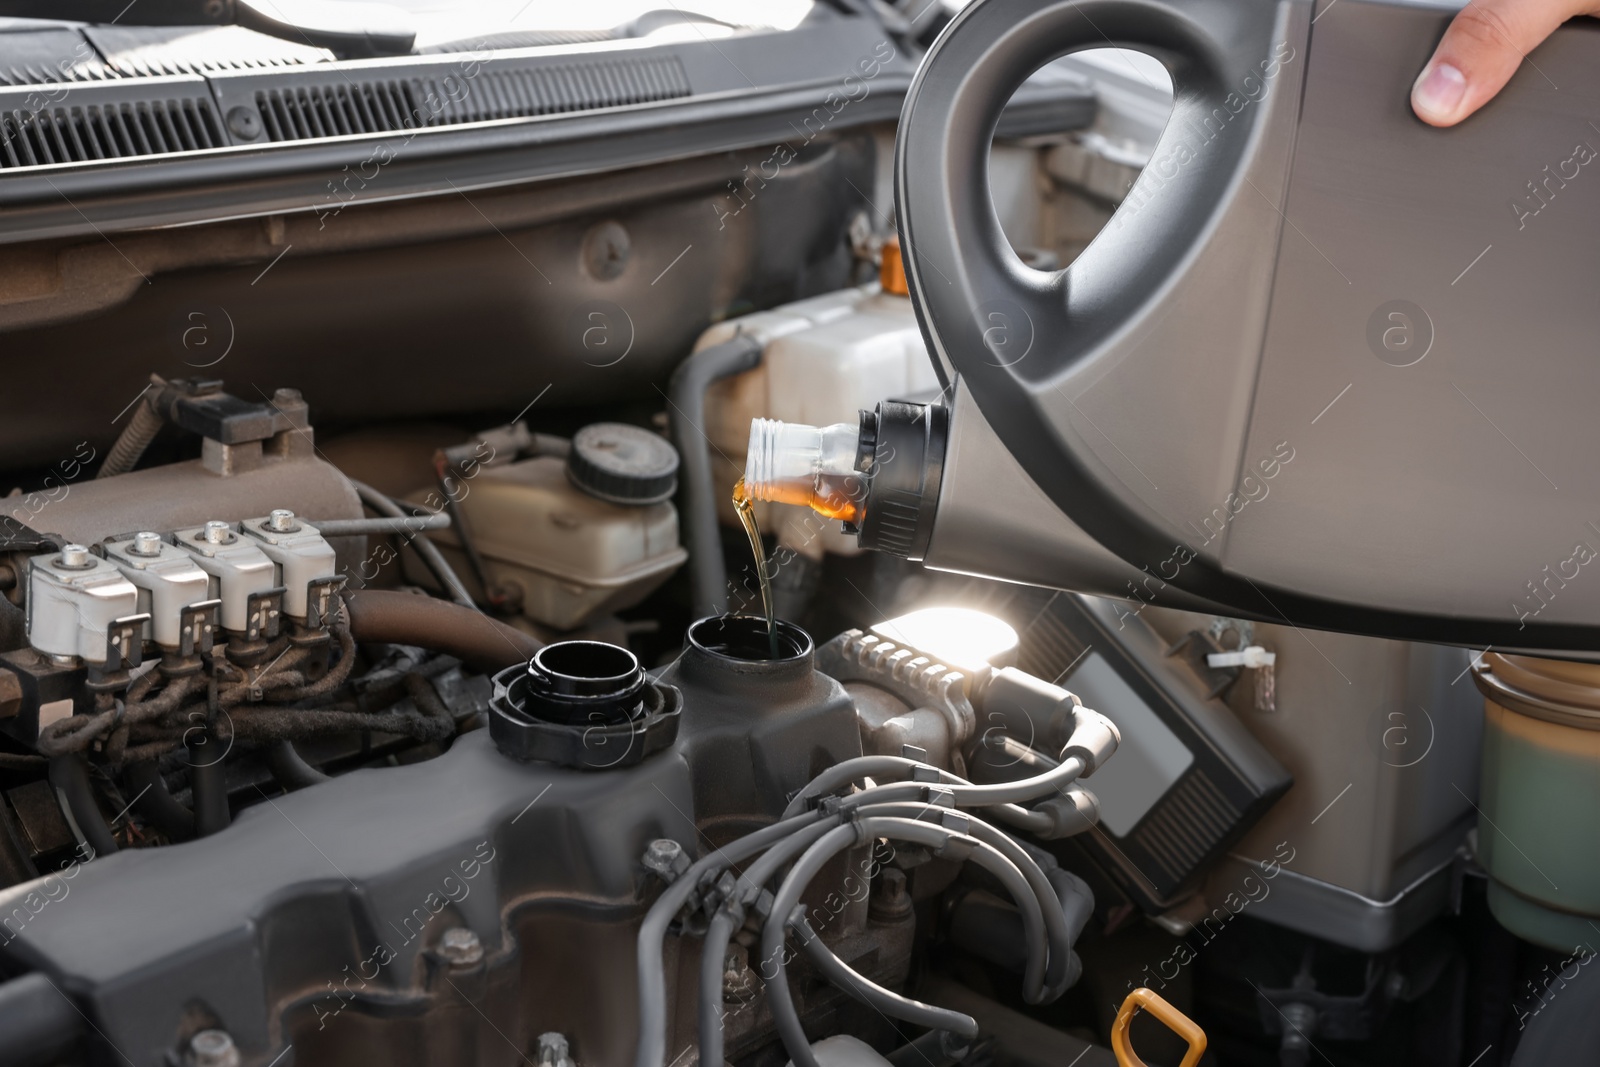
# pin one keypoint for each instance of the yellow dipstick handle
(1175, 1020)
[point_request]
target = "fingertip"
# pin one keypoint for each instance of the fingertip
(1439, 93)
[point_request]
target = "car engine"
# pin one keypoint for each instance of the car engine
(477, 590)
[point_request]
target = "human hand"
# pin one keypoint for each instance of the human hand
(1483, 47)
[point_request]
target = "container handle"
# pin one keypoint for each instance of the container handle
(1149, 1000)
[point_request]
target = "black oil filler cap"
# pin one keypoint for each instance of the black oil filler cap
(623, 464)
(583, 704)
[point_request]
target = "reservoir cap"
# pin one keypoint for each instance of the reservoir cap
(623, 464)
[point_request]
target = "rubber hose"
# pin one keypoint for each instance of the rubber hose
(713, 950)
(38, 1024)
(424, 548)
(686, 393)
(394, 618)
(868, 992)
(289, 769)
(779, 999)
(209, 782)
(652, 1045)
(1062, 926)
(70, 777)
(158, 805)
(720, 931)
(135, 437)
(1047, 974)
(900, 768)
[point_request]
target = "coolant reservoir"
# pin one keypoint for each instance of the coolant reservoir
(591, 533)
(823, 360)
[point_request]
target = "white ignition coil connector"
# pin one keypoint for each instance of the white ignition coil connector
(168, 582)
(74, 598)
(239, 571)
(300, 553)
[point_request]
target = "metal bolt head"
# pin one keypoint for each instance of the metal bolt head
(665, 857)
(461, 947)
(281, 520)
(75, 557)
(552, 1050)
(217, 533)
(145, 543)
(213, 1048)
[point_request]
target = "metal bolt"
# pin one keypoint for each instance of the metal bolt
(145, 543)
(217, 533)
(213, 1048)
(76, 556)
(281, 520)
(286, 396)
(552, 1050)
(461, 947)
(665, 857)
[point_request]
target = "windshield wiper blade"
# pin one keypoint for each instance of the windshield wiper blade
(349, 30)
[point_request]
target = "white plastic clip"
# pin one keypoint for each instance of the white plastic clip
(1254, 656)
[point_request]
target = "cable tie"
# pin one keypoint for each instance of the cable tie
(956, 821)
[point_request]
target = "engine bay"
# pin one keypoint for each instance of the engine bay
(472, 594)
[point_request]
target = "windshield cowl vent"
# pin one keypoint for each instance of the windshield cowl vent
(475, 93)
(78, 133)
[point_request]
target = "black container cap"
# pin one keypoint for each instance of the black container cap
(623, 464)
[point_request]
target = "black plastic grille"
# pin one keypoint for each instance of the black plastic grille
(333, 110)
(78, 134)
(551, 90)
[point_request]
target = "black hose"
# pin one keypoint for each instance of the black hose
(708, 575)
(69, 774)
(289, 769)
(38, 1024)
(156, 804)
(209, 783)
(424, 548)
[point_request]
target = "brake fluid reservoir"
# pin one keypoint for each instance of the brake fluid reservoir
(823, 360)
(576, 536)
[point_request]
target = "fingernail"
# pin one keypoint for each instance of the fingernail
(1439, 90)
